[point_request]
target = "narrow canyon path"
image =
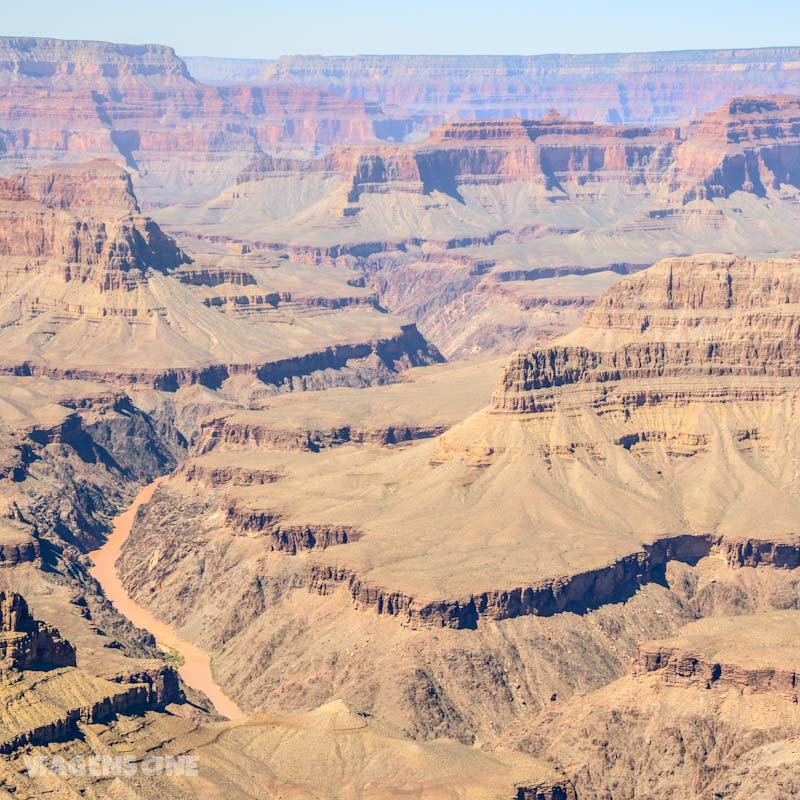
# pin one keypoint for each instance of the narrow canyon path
(196, 668)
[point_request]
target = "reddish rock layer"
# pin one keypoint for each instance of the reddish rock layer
(137, 103)
(747, 145)
(632, 87)
(82, 223)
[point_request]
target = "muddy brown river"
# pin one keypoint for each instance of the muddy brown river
(196, 669)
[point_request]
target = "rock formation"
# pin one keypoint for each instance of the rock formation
(714, 653)
(82, 222)
(404, 563)
(426, 402)
(643, 444)
(746, 145)
(89, 286)
(668, 363)
(634, 88)
(456, 232)
(138, 105)
(37, 709)
(52, 711)
(712, 711)
(495, 232)
(26, 643)
(702, 320)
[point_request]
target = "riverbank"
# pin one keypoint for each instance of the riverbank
(196, 667)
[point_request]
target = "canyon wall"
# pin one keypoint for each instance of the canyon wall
(746, 145)
(633, 88)
(496, 234)
(183, 139)
(644, 456)
(138, 104)
(91, 285)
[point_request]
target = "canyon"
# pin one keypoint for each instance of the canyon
(633, 502)
(58, 712)
(90, 289)
(630, 88)
(491, 235)
(138, 105)
(490, 231)
(399, 426)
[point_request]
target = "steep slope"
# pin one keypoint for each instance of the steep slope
(710, 712)
(54, 716)
(69, 455)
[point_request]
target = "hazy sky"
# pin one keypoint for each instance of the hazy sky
(248, 28)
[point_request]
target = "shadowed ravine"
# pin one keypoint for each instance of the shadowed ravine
(196, 668)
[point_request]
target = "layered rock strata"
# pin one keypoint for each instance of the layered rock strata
(44, 696)
(717, 653)
(425, 403)
(497, 234)
(637, 88)
(139, 105)
(596, 452)
(89, 287)
(710, 711)
(704, 321)
(26, 643)
(747, 145)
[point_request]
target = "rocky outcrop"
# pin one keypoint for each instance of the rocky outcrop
(62, 719)
(235, 432)
(406, 350)
(563, 790)
(436, 225)
(547, 152)
(282, 536)
(219, 476)
(44, 697)
(26, 643)
(750, 144)
(575, 593)
(215, 276)
(457, 614)
(162, 682)
(678, 667)
(51, 221)
(339, 365)
(758, 552)
(754, 654)
(703, 713)
(694, 319)
(17, 544)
